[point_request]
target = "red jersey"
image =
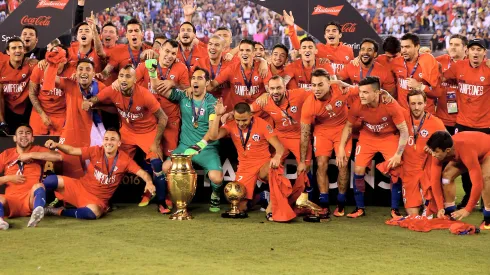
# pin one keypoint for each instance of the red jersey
(32, 171)
(74, 55)
(355, 74)
(122, 55)
(177, 73)
(470, 148)
(424, 69)
(287, 115)
(329, 113)
(256, 148)
(53, 102)
(414, 155)
(113, 76)
(377, 122)
(446, 103)
(97, 180)
(339, 56)
(474, 93)
(302, 75)
(214, 71)
(238, 79)
(136, 111)
(15, 88)
(384, 60)
(190, 57)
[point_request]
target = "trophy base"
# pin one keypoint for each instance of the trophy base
(314, 218)
(228, 215)
(181, 215)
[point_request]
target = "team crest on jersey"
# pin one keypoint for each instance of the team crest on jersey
(294, 109)
(24, 75)
(384, 118)
(201, 112)
(328, 107)
(172, 76)
(482, 79)
(256, 78)
(256, 137)
(338, 103)
(115, 168)
(424, 133)
(138, 108)
(346, 57)
(269, 128)
(420, 75)
(91, 59)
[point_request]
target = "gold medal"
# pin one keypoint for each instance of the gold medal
(196, 124)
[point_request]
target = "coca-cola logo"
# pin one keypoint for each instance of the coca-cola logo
(349, 27)
(330, 10)
(56, 4)
(36, 21)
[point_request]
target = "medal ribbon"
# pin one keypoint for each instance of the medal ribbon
(244, 142)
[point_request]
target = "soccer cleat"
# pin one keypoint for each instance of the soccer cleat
(163, 210)
(169, 203)
(53, 211)
(339, 211)
(36, 216)
(146, 198)
(395, 213)
(485, 226)
(55, 203)
(359, 212)
(215, 203)
(3, 224)
(324, 214)
(264, 200)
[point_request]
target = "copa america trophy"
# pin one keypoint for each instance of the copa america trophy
(181, 185)
(234, 193)
(303, 202)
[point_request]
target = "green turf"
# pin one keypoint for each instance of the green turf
(133, 240)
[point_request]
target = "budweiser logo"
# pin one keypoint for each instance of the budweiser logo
(331, 10)
(349, 27)
(36, 21)
(57, 4)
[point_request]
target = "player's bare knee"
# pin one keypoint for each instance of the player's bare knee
(2, 199)
(359, 170)
(486, 180)
(167, 165)
(96, 209)
(216, 177)
(322, 164)
(37, 186)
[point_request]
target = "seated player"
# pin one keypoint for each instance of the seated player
(91, 193)
(22, 167)
(197, 113)
(466, 151)
(252, 137)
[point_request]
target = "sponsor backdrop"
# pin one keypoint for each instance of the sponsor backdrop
(55, 17)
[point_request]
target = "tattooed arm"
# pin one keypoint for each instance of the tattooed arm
(402, 142)
(162, 123)
(305, 140)
(342, 158)
(33, 93)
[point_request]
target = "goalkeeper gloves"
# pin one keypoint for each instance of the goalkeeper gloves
(196, 148)
(151, 65)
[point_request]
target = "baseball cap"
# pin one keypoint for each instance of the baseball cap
(478, 42)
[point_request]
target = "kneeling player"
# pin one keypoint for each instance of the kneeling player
(91, 193)
(251, 136)
(22, 167)
(465, 151)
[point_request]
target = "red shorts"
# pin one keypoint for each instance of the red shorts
(75, 194)
(248, 174)
(412, 194)
(131, 141)
(292, 145)
(170, 138)
(38, 127)
(324, 142)
(367, 147)
(19, 205)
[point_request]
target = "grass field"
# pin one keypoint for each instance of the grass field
(134, 240)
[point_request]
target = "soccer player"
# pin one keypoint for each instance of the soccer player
(368, 66)
(49, 106)
(170, 74)
(447, 106)
(279, 58)
(383, 130)
(473, 79)
(415, 71)
(87, 35)
(465, 151)
(301, 69)
(188, 52)
(335, 51)
(143, 123)
(392, 49)
(325, 110)
(109, 38)
(197, 114)
(22, 168)
(15, 108)
(123, 55)
(251, 137)
(91, 193)
(421, 125)
(246, 81)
